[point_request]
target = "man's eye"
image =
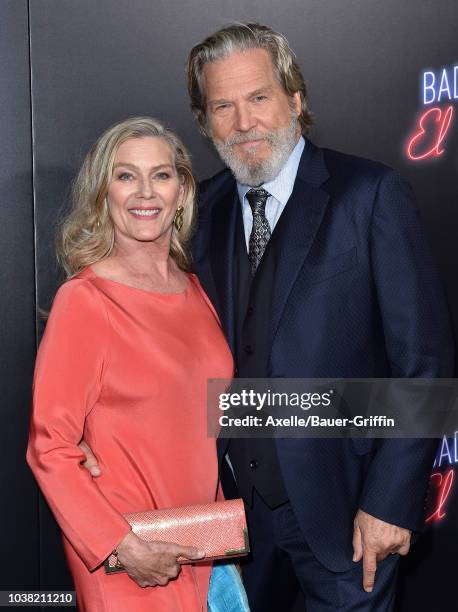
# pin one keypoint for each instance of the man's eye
(221, 107)
(260, 98)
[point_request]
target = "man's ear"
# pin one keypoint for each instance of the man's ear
(296, 102)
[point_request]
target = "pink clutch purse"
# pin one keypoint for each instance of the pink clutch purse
(218, 528)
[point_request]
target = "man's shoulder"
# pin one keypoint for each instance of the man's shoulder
(345, 164)
(352, 176)
(215, 182)
(214, 186)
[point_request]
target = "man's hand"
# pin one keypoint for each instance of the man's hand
(373, 540)
(91, 462)
(153, 563)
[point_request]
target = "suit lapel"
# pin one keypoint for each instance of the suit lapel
(222, 258)
(298, 226)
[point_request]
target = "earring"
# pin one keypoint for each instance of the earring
(103, 213)
(178, 218)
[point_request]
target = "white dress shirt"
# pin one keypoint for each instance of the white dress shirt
(280, 190)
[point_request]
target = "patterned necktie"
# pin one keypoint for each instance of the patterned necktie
(260, 233)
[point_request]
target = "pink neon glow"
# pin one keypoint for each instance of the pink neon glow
(439, 122)
(444, 484)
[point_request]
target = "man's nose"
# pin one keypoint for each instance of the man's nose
(245, 120)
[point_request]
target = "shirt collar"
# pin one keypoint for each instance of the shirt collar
(282, 185)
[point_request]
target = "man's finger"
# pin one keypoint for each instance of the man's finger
(369, 569)
(403, 550)
(357, 544)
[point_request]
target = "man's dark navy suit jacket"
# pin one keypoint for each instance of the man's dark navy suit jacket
(356, 295)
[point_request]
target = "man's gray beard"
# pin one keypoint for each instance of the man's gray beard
(256, 172)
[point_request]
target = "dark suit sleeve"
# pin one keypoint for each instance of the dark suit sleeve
(418, 341)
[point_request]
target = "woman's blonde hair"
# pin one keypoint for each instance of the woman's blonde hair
(86, 235)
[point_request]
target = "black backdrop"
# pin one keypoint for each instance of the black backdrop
(70, 68)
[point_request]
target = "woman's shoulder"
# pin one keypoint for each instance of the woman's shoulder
(78, 295)
(78, 318)
(194, 279)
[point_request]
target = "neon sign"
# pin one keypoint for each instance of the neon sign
(440, 86)
(433, 127)
(427, 141)
(443, 481)
(448, 451)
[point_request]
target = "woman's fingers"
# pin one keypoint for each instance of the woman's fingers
(189, 552)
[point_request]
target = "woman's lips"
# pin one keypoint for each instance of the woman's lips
(144, 213)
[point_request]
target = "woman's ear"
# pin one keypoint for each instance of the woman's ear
(182, 194)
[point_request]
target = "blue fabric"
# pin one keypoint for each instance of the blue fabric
(272, 586)
(356, 295)
(226, 592)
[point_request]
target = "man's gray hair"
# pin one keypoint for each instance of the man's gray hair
(241, 37)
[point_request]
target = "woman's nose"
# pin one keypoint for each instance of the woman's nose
(145, 189)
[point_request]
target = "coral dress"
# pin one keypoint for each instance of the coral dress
(127, 370)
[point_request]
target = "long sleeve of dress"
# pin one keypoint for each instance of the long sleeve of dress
(68, 379)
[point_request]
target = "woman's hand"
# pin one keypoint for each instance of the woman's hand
(153, 563)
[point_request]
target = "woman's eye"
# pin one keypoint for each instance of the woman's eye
(125, 176)
(162, 176)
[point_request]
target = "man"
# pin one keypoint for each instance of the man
(318, 267)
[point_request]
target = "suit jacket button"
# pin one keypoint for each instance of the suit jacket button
(250, 310)
(248, 349)
(253, 464)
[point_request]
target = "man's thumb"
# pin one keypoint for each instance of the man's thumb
(357, 544)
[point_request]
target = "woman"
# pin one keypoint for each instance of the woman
(129, 345)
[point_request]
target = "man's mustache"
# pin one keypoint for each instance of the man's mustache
(248, 137)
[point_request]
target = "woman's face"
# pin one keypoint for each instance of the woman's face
(144, 191)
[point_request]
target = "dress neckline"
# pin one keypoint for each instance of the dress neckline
(89, 270)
